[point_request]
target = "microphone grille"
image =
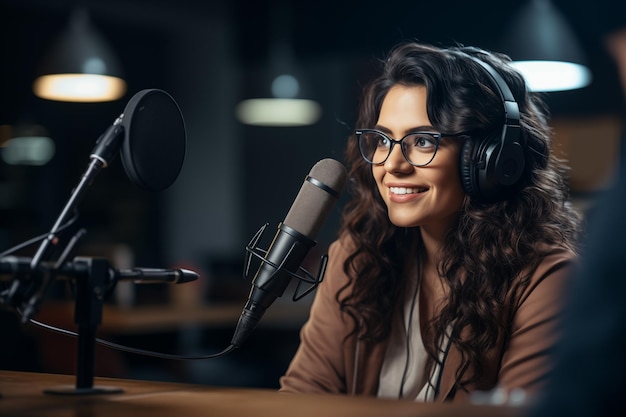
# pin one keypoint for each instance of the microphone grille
(317, 197)
(330, 172)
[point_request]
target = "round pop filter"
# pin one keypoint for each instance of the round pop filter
(153, 149)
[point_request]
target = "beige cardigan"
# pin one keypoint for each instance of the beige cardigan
(325, 362)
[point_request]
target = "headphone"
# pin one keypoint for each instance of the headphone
(492, 165)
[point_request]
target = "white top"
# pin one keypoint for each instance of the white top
(402, 373)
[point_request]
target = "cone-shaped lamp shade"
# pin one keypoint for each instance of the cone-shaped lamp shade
(545, 49)
(80, 66)
(280, 91)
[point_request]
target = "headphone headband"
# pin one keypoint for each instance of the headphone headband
(511, 109)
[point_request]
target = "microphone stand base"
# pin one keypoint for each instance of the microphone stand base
(90, 291)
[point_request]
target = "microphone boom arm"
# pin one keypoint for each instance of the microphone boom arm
(100, 157)
(106, 146)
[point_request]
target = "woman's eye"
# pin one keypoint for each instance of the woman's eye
(423, 141)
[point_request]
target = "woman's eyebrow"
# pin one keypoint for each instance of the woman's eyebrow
(423, 128)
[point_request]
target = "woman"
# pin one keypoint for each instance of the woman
(453, 252)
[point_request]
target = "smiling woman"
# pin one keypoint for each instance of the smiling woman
(436, 194)
(456, 243)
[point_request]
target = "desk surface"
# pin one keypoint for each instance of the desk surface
(22, 396)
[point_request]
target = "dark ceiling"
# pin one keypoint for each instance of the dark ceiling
(235, 178)
(317, 30)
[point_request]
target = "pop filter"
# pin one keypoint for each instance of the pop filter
(153, 149)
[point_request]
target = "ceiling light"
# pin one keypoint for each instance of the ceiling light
(29, 144)
(80, 66)
(545, 50)
(278, 112)
(278, 90)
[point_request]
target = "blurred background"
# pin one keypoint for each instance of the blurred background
(236, 176)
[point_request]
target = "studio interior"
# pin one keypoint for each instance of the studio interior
(241, 170)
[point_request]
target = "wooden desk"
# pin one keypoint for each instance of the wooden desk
(22, 396)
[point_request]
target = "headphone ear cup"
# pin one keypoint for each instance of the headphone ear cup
(483, 174)
(468, 174)
(511, 164)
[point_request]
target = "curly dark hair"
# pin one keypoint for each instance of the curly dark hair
(492, 243)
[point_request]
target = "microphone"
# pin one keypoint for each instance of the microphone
(292, 242)
(13, 265)
(156, 275)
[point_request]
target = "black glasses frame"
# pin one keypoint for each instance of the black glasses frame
(435, 135)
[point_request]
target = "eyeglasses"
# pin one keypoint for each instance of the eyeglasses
(418, 148)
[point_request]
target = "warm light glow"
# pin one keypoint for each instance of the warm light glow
(278, 112)
(79, 87)
(553, 75)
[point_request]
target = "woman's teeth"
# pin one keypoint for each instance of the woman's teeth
(404, 190)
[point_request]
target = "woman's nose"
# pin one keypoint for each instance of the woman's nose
(396, 162)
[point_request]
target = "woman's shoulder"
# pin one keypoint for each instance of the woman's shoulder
(343, 245)
(556, 255)
(555, 266)
(338, 251)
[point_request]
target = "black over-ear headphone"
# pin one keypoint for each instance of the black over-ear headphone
(491, 165)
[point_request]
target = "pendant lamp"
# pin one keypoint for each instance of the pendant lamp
(279, 90)
(545, 50)
(80, 66)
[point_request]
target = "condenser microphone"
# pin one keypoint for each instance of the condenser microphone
(20, 265)
(292, 242)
